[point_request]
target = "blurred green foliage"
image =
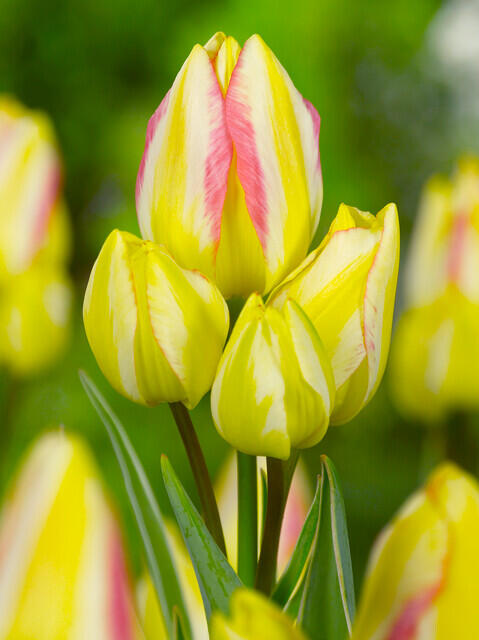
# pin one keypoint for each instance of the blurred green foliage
(100, 68)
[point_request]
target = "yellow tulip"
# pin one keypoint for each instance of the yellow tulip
(30, 180)
(423, 576)
(435, 357)
(274, 388)
(62, 567)
(435, 352)
(253, 617)
(34, 319)
(347, 288)
(445, 243)
(230, 180)
(156, 330)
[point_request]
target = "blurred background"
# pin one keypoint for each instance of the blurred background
(397, 87)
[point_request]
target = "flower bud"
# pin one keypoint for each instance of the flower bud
(423, 574)
(230, 179)
(347, 288)
(62, 566)
(274, 388)
(30, 179)
(253, 616)
(34, 319)
(434, 365)
(156, 330)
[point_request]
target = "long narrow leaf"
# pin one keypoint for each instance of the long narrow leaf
(293, 571)
(147, 513)
(328, 606)
(216, 578)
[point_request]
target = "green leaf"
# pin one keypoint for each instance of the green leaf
(328, 606)
(178, 625)
(147, 513)
(215, 576)
(293, 571)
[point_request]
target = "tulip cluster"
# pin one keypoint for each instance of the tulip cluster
(228, 197)
(35, 290)
(435, 355)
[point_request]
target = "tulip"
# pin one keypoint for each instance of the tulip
(347, 287)
(434, 358)
(253, 616)
(445, 244)
(274, 387)
(156, 330)
(230, 179)
(30, 178)
(62, 565)
(435, 352)
(423, 575)
(34, 319)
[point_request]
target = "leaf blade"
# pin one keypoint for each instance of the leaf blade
(215, 575)
(147, 513)
(328, 605)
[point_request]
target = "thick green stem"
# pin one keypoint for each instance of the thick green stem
(462, 441)
(280, 475)
(247, 518)
(192, 445)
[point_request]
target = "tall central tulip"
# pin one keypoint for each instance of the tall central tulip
(230, 180)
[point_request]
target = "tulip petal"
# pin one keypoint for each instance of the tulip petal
(182, 179)
(275, 133)
(379, 298)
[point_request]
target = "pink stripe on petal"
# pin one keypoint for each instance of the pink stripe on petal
(406, 624)
(249, 169)
(150, 132)
(315, 117)
(456, 248)
(121, 622)
(218, 161)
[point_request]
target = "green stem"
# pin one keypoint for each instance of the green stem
(247, 518)
(192, 445)
(462, 441)
(280, 475)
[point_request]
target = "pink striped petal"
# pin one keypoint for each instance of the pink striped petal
(275, 133)
(183, 174)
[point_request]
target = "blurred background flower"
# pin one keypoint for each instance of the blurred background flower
(392, 83)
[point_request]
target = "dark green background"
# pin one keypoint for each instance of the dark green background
(100, 69)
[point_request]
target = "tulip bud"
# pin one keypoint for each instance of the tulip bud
(253, 616)
(34, 315)
(347, 288)
(274, 388)
(230, 179)
(434, 358)
(62, 567)
(445, 244)
(156, 330)
(30, 177)
(422, 579)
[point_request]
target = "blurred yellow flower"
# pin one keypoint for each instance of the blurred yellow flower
(230, 181)
(274, 388)
(34, 242)
(62, 566)
(423, 576)
(435, 351)
(253, 617)
(157, 331)
(347, 288)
